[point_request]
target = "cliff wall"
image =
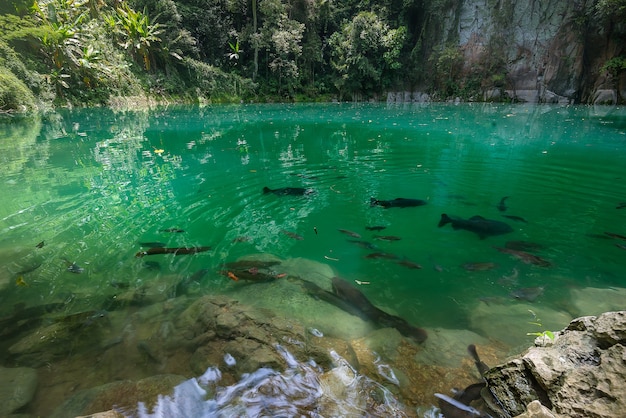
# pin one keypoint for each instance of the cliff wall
(540, 50)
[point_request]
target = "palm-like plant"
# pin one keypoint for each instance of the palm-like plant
(136, 33)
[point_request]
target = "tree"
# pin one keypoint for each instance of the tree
(365, 54)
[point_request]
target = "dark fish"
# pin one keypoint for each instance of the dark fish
(151, 244)
(409, 264)
(621, 205)
(183, 285)
(174, 230)
(40, 245)
(613, 235)
(175, 251)
(477, 224)
(622, 246)
(387, 237)
(349, 298)
(399, 202)
(363, 244)
(252, 270)
(288, 191)
(375, 228)
(452, 408)
(241, 239)
(119, 285)
(479, 266)
(292, 235)
(352, 234)
(529, 294)
(516, 218)
(29, 269)
(524, 246)
(502, 206)
(73, 267)
(480, 366)
(525, 257)
(388, 256)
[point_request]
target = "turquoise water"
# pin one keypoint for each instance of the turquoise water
(92, 184)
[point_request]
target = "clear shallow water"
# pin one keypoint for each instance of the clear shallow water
(92, 184)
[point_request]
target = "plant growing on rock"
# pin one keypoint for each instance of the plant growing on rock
(536, 321)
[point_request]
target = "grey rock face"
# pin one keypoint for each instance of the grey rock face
(582, 373)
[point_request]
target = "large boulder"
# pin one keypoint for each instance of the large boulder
(17, 388)
(581, 373)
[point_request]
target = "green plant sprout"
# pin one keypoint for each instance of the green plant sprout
(536, 321)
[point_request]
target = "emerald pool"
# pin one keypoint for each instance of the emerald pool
(85, 188)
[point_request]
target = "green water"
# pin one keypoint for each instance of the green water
(94, 183)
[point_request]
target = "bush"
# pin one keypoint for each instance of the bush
(14, 95)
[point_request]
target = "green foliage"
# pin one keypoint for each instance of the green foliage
(15, 96)
(536, 321)
(135, 33)
(611, 8)
(365, 52)
(614, 66)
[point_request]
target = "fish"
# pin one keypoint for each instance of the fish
(622, 246)
(480, 365)
(516, 218)
(151, 244)
(288, 191)
(479, 266)
(73, 267)
(363, 244)
(621, 205)
(173, 250)
(241, 239)
(477, 224)
(183, 285)
(292, 235)
(398, 202)
(409, 264)
(40, 245)
(350, 233)
(29, 269)
(251, 270)
(614, 235)
(173, 230)
(453, 408)
(527, 258)
(347, 297)
(502, 205)
(375, 228)
(387, 237)
(19, 281)
(524, 246)
(529, 294)
(388, 256)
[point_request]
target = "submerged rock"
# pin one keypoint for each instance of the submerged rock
(17, 388)
(581, 373)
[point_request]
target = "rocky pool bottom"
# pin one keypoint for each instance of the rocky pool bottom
(271, 349)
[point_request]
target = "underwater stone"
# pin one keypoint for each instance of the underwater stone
(17, 388)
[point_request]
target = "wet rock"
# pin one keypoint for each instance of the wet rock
(123, 395)
(106, 414)
(579, 374)
(536, 410)
(506, 322)
(17, 387)
(594, 301)
(446, 347)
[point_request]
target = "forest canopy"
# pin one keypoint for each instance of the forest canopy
(81, 52)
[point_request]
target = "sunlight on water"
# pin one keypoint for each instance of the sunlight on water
(301, 390)
(107, 215)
